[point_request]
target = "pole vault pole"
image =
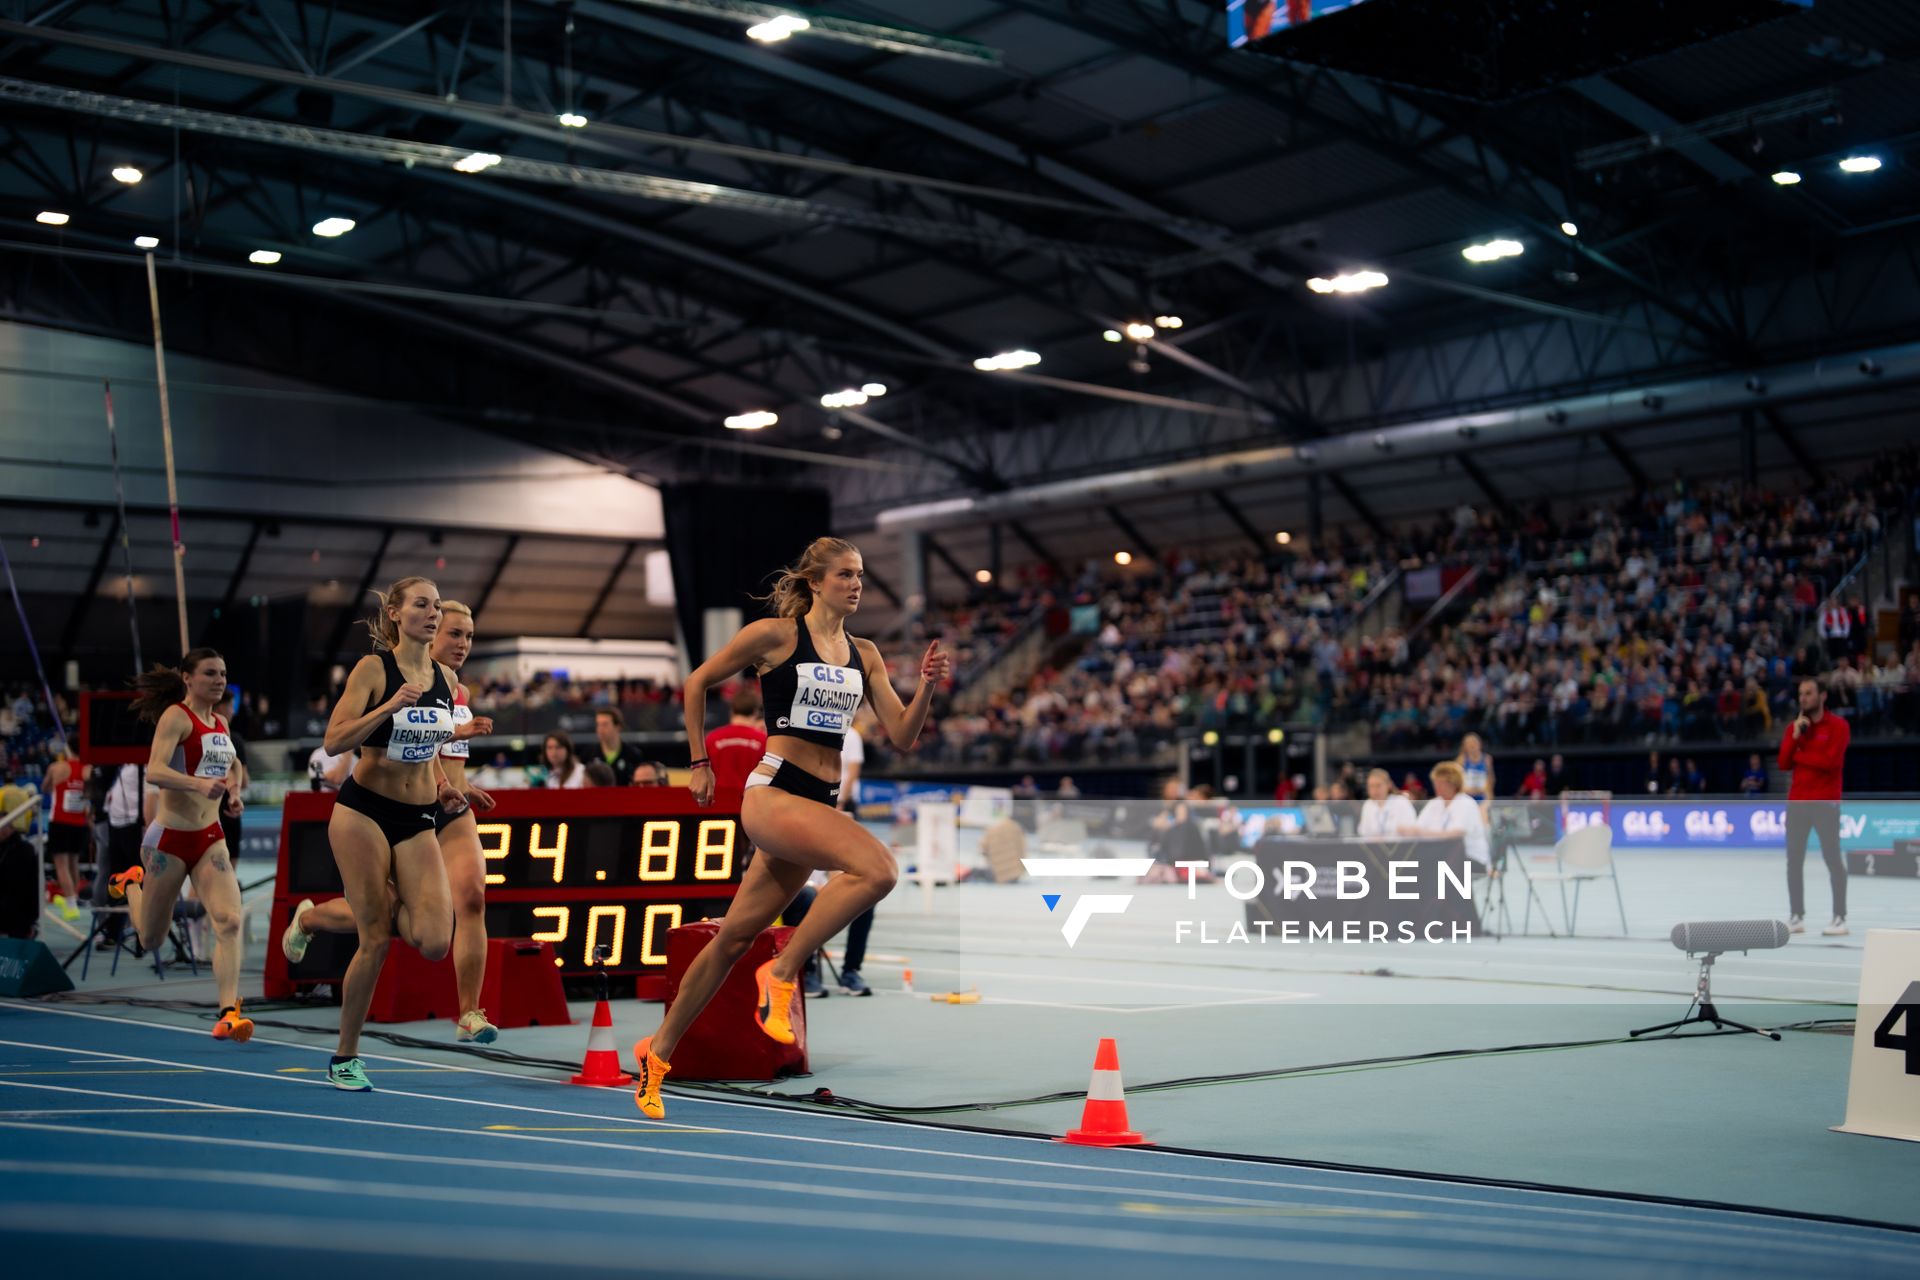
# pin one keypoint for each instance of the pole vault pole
(166, 436)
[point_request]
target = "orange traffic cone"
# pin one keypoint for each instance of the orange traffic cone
(1103, 1122)
(603, 1060)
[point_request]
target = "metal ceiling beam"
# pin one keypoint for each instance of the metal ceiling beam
(82, 603)
(1212, 69)
(1034, 545)
(1795, 449)
(1358, 505)
(240, 567)
(604, 137)
(606, 589)
(1336, 457)
(880, 584)
(1240, 520)
(493, 579)
(945, 557)
(865, 95)
(1647, 118)
(350, 612)
(1484, 482)
(160, 115)
(973, 475)
(1634, 471)
(1132, 532)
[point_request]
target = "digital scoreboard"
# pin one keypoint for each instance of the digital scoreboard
(612, 867)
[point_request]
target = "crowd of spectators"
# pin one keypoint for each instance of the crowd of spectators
(1682, 614)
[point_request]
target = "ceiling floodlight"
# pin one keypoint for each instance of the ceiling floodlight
(128, 174)
(476, 162)
(1006, 360)
(1350, 282)
(1860, 164)
(331, 227)
(778, 28)
(752, 421)
(264, 257)
(1786, 178)
(1493, 251)
(572, 119)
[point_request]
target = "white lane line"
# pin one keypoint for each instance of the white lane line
(1430, 1225)
(1561, 1212)
(1515, 1193)
(989, 998)
(539, 1250)
(1406, 965)
(50, 1112)
(189, 1104)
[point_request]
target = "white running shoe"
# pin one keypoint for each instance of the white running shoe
(1838, 929)
(1796, 924)
(475, 1028)
(293, 943)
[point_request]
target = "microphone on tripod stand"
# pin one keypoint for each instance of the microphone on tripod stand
(1710, 940)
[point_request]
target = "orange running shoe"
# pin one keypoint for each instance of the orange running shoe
(774, 1013)
(652, 1073)
(234, 1026)
(117, 885)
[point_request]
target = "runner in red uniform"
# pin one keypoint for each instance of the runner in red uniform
(192, 756)
(67, 829)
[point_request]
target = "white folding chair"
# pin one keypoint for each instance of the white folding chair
(1583, 855)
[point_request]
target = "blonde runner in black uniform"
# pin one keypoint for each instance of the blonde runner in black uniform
(397, 710)
(813, 677)
(459, 845)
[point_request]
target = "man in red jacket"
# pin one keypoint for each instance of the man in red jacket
(1815, 751)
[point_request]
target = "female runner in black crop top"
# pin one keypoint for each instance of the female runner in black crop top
(397, 710)
(813, 677)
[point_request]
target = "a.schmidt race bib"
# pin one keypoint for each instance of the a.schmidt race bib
(457, 748)
(825, 698)
(216, 756)
(418, 733)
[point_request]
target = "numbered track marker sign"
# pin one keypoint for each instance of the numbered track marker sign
(1883, 1091)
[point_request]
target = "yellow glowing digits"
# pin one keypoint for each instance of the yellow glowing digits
(502, 837)
(659, 851)
(710, 848)
(615, 949)
(557, 852)
(655, 914)
(557, 936)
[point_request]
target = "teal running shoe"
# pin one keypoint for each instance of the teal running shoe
(350, 1075)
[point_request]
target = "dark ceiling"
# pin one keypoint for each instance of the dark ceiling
(747, 226)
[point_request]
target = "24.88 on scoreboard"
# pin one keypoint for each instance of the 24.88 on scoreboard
(618, 853)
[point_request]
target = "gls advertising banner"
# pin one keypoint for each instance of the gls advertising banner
(1742, 824)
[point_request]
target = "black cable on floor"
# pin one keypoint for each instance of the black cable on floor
(826, 1098)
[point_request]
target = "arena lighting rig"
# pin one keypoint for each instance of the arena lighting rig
(778, 23)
